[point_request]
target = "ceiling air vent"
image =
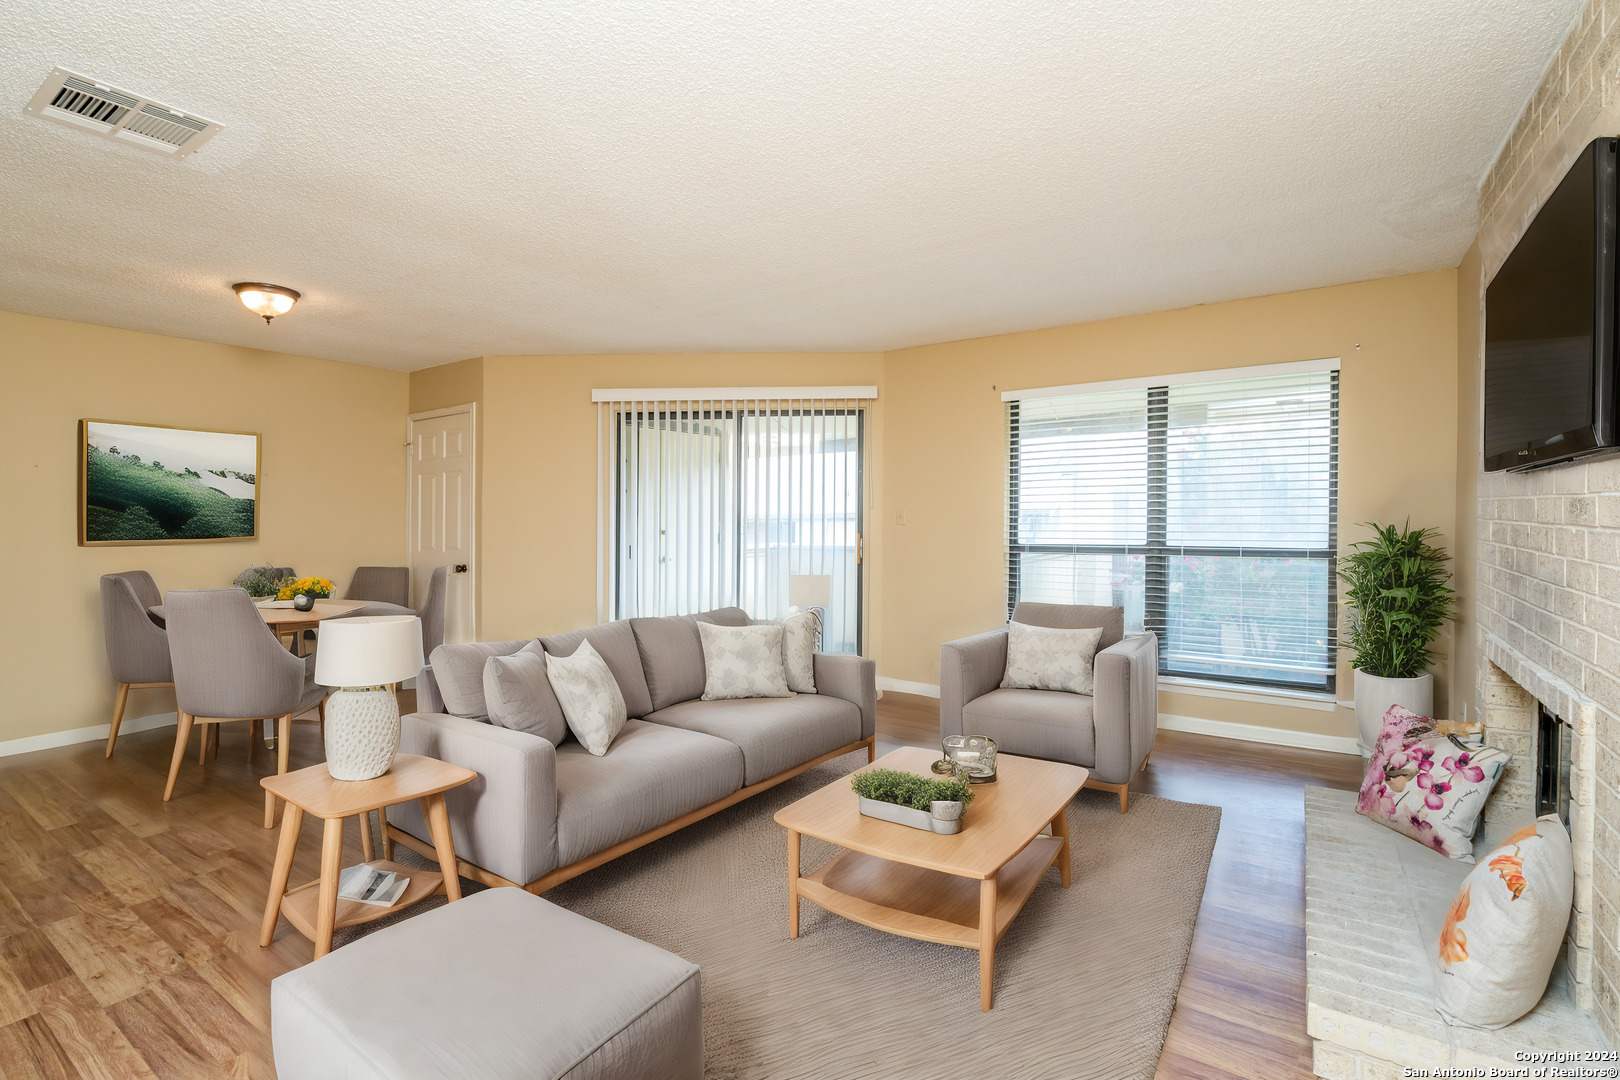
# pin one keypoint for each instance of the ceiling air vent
(81, 102)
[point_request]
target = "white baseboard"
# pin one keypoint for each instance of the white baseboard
(1222, 729)
(93, 733)
(901, 686)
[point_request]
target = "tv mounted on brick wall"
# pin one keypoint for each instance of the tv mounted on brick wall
(1550, 334)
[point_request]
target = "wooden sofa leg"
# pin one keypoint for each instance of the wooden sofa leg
(1124, 798)
(871, 750)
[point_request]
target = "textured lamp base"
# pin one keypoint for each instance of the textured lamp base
(362, 732)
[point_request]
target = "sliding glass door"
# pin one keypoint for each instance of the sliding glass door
(753, 504)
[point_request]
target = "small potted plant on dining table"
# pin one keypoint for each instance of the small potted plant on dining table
(920, 802)
(303, 592)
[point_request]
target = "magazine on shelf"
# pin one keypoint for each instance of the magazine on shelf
(371, 885)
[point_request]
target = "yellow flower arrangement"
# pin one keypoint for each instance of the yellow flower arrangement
(318, 587)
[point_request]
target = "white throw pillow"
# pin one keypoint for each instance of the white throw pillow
(589, 695)
(1504, 930)
(518, 694)
(1044, 658)
(743, 661)
(799, 651)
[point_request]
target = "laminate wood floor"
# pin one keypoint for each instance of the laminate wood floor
(129, 926)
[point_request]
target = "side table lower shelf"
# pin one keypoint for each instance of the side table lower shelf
(301, 906)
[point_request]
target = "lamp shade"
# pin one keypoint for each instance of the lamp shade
(369, 651)
(810, 590)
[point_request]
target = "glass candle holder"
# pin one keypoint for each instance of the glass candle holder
(973, 755)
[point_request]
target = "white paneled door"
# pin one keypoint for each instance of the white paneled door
(442, 496)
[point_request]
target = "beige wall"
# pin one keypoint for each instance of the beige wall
(332, 485)
(539, 480)
(945, 454)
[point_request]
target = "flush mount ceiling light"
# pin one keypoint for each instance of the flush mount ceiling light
(266, 300)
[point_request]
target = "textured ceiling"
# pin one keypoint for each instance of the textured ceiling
(463, 179)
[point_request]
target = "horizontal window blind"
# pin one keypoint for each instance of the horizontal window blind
(1207, 509)
(754, 501)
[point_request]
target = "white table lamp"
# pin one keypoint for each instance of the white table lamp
(360, 656)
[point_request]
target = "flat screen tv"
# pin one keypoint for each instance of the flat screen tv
(1550, 327)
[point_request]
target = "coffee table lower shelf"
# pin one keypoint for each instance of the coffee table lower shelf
(929, 905)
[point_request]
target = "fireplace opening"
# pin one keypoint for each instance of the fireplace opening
(1553, 741)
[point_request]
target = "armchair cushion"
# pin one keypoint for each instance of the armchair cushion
(1046, 658)
(1036, 723)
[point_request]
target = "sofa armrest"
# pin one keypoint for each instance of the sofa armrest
(1125, 706)
(853, 678)
(969, 668)
(506, 819)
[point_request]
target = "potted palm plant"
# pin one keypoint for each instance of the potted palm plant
(1398, 599)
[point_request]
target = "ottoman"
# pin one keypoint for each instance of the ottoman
(499, 984)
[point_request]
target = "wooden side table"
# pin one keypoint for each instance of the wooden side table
(314, 909)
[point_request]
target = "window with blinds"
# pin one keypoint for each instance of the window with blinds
(750, 498)
(1206, 506)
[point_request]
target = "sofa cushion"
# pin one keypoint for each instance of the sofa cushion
(775, 734)
(615, 642)
(672, 653)
(799, 650)
(459, 671)
(1036, 723)
(534, 991)
(652, 775)
(589, 696)
(1074, 617)
(518, 694)
(742, 661)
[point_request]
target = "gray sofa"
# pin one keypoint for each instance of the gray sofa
(1109, 732)
(540, 814)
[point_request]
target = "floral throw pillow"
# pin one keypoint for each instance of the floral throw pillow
(1045, 658)
(591, 701)
(1504, 930)
(743, 661)
(1428, 786)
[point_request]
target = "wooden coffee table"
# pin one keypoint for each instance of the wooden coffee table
(962, 889)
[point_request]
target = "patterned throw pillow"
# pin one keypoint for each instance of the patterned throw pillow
(1428, 786)
(799, 651)
(743, 661)
(1505, 928)
(589, 695)
(1043, 658)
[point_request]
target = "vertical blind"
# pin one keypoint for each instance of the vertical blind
(1207, 507)
(751, 498)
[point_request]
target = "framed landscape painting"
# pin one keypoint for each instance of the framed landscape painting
(147, 484)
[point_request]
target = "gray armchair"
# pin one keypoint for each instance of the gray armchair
(137, 645)
(1109, 733)
(228, 666)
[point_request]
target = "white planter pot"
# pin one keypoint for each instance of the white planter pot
(1374, 696)
(909, 816)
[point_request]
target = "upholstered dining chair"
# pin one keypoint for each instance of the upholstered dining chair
(229, 666)
(387, 590)
(137, 644)
(1109, 732)
(432, 613)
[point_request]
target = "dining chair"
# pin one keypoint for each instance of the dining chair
(137, 644)
(387, 590)
(229, 666)
(432, 613)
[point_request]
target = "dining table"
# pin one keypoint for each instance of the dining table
(287, 621)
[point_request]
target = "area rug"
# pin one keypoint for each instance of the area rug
(1085, 982)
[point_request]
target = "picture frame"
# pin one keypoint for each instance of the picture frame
(207, 491)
